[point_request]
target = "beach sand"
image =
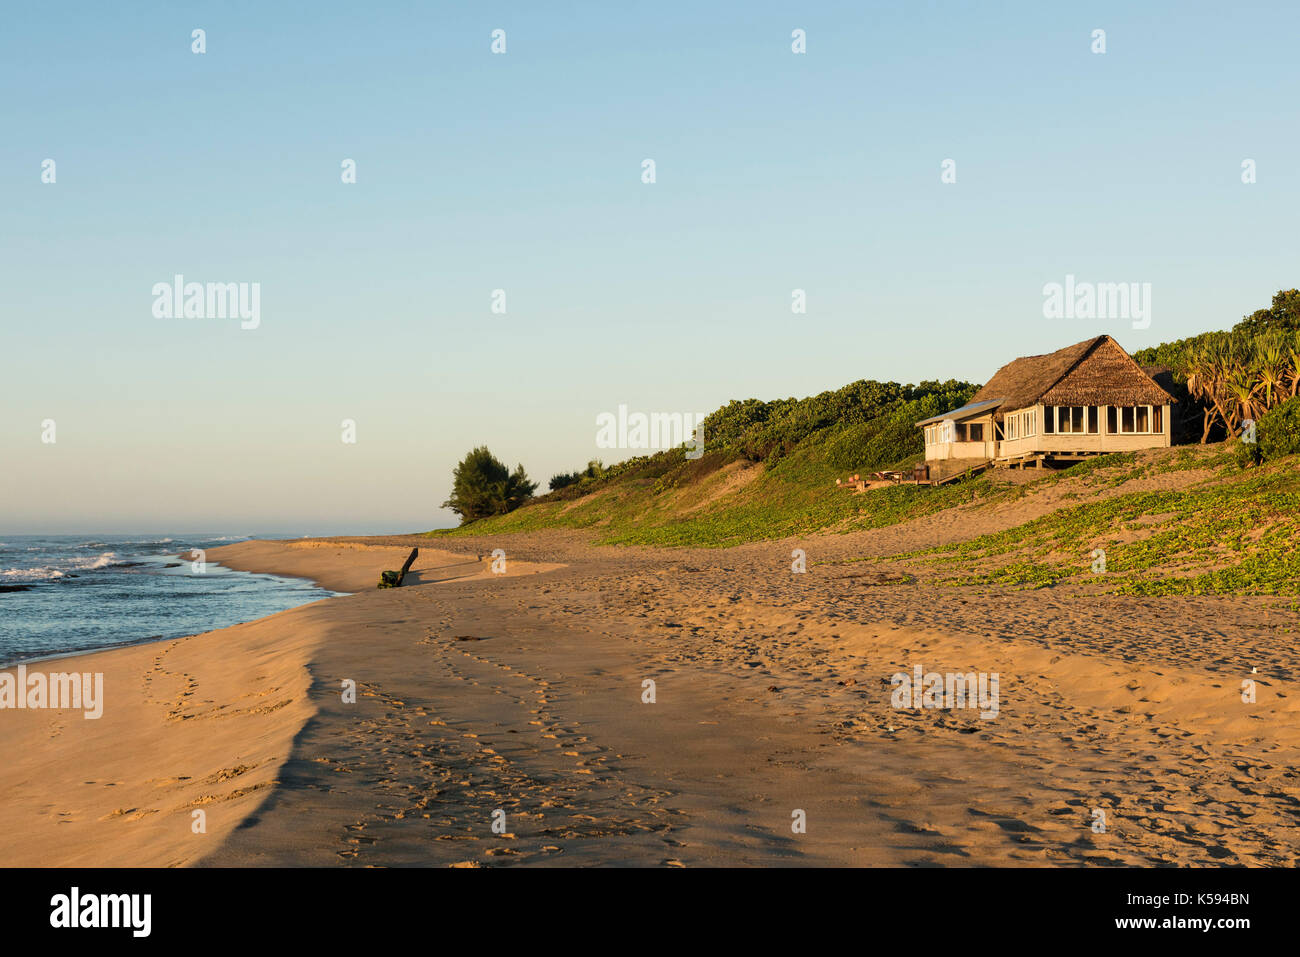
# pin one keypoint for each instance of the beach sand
(516, 700)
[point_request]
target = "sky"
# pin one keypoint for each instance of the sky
(522, 171)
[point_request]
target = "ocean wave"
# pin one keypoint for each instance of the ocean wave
(88, 564)
(45, 573)
(64, 569)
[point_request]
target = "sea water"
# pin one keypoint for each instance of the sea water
(71, 593)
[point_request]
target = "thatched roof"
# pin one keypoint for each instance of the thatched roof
(1093, 372)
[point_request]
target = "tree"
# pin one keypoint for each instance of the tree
(1283, 314)
(482, 486)
(1208, 368)
(1273, 362)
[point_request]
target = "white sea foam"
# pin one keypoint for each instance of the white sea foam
(32, 574)
(86, 564)
(48, 572)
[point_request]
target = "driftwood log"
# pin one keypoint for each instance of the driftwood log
(392, 579)
(406, 566)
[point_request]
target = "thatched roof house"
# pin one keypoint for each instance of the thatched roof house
(1085, 399)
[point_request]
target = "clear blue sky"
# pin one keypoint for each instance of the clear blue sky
(522, 171)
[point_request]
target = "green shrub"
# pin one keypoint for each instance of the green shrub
(1278, 431)
(871, 423)
(483, 486)
(594, 471)
(1247, 454)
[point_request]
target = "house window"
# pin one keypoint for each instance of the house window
(1071, 419)
(1112, 420)
(942, 433)
(1092, 420)
(1021, 425)
(1049, 419)
(975, 432)
(1138, 419)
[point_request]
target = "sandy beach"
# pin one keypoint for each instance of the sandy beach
(519, 699)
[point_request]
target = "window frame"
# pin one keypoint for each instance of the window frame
(1066, 424)
(1128, 423)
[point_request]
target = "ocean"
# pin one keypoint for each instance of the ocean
(71, 593)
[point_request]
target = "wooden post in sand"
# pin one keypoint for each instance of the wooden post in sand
(409, 559)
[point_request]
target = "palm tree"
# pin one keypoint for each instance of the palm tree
(1199, 375)
(1210, 365)
(1241, 385)
(1293, 356)
(1272, 368)
(1233, 376)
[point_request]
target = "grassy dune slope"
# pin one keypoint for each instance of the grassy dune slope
(722, 499)
(1218, 529)
(1232, 532)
